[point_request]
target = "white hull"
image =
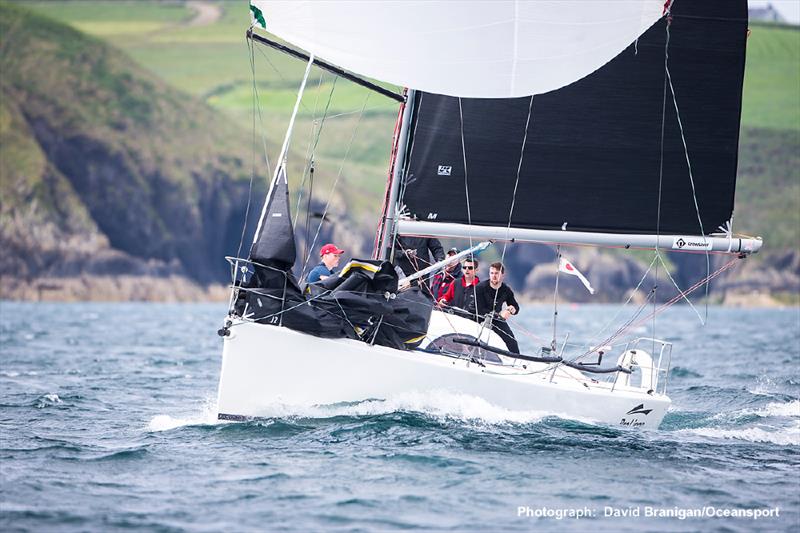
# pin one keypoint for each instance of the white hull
(265, 366)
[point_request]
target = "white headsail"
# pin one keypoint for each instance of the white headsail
(499, 49)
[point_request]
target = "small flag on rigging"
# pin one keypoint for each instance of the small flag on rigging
(568, 268)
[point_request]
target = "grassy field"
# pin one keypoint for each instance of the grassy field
(213, 62)
(772, 79)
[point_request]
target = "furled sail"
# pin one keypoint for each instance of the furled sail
(592, 160)
(498, 49)
(274, 239)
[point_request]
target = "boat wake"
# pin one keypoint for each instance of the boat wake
(774, 423)
(205, 417)
(440, 405)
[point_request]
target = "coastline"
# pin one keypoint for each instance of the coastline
(174, 289)
(171, 289)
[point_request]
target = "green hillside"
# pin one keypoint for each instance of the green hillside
(212, 62)
(95, 145)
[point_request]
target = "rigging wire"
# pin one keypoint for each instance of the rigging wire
(703, 320)
(660, 168)
(681, 294)
(619, 311)
(309, 159)
(278, 72)
(469, 211)
(253, 154)
(335, 183)
(256, 112)
(313, 142)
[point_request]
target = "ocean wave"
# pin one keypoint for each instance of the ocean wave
(48, 400)
(14, 373)
(789, 436)
(790, 409)
(773, 409)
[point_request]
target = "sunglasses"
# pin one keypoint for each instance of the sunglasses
(467, 268)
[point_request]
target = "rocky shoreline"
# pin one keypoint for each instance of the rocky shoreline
(111, 289)
(174, 289)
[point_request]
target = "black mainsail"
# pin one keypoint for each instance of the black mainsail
(594, 159)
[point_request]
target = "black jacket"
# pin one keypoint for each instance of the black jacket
(485, 298)
(412, 254)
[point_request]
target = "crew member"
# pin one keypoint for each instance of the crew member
(490, 296)
(412, 254)
(330, 256)
(444, 279)
(462, 292)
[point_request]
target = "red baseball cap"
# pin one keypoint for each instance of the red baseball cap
(330, 249)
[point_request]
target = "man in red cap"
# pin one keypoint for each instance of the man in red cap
(330, 260)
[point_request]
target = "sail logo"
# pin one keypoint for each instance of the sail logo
(432, 216)
(639, 409)
(445, 170)
(688, 243)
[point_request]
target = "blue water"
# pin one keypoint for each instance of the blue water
(107, 423)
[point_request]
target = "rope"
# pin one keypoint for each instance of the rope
(309, 170)
(661, 162)
(619, 311)
(681, 294)
(335, 183)
(251, 54)
(688, 162)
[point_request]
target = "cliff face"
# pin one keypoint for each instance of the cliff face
(105, 169)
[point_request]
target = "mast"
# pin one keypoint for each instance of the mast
(390, 219)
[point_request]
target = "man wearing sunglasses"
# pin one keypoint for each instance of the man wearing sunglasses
(461, 292)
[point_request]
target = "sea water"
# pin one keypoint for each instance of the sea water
(108, 422)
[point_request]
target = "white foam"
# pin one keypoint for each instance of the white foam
(14, 373)
(47, 400)
(207, 416)
(438, 404)
(773, 409)
(788, 436)
(791, 409)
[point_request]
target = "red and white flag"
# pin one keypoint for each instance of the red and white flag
(568, 268)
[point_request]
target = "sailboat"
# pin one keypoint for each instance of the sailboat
(609, 124)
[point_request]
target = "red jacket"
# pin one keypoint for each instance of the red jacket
(450, 295)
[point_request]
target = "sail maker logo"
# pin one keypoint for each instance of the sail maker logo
(689, 243)
(445, 170)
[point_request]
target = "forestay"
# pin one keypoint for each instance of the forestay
(492, 49)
